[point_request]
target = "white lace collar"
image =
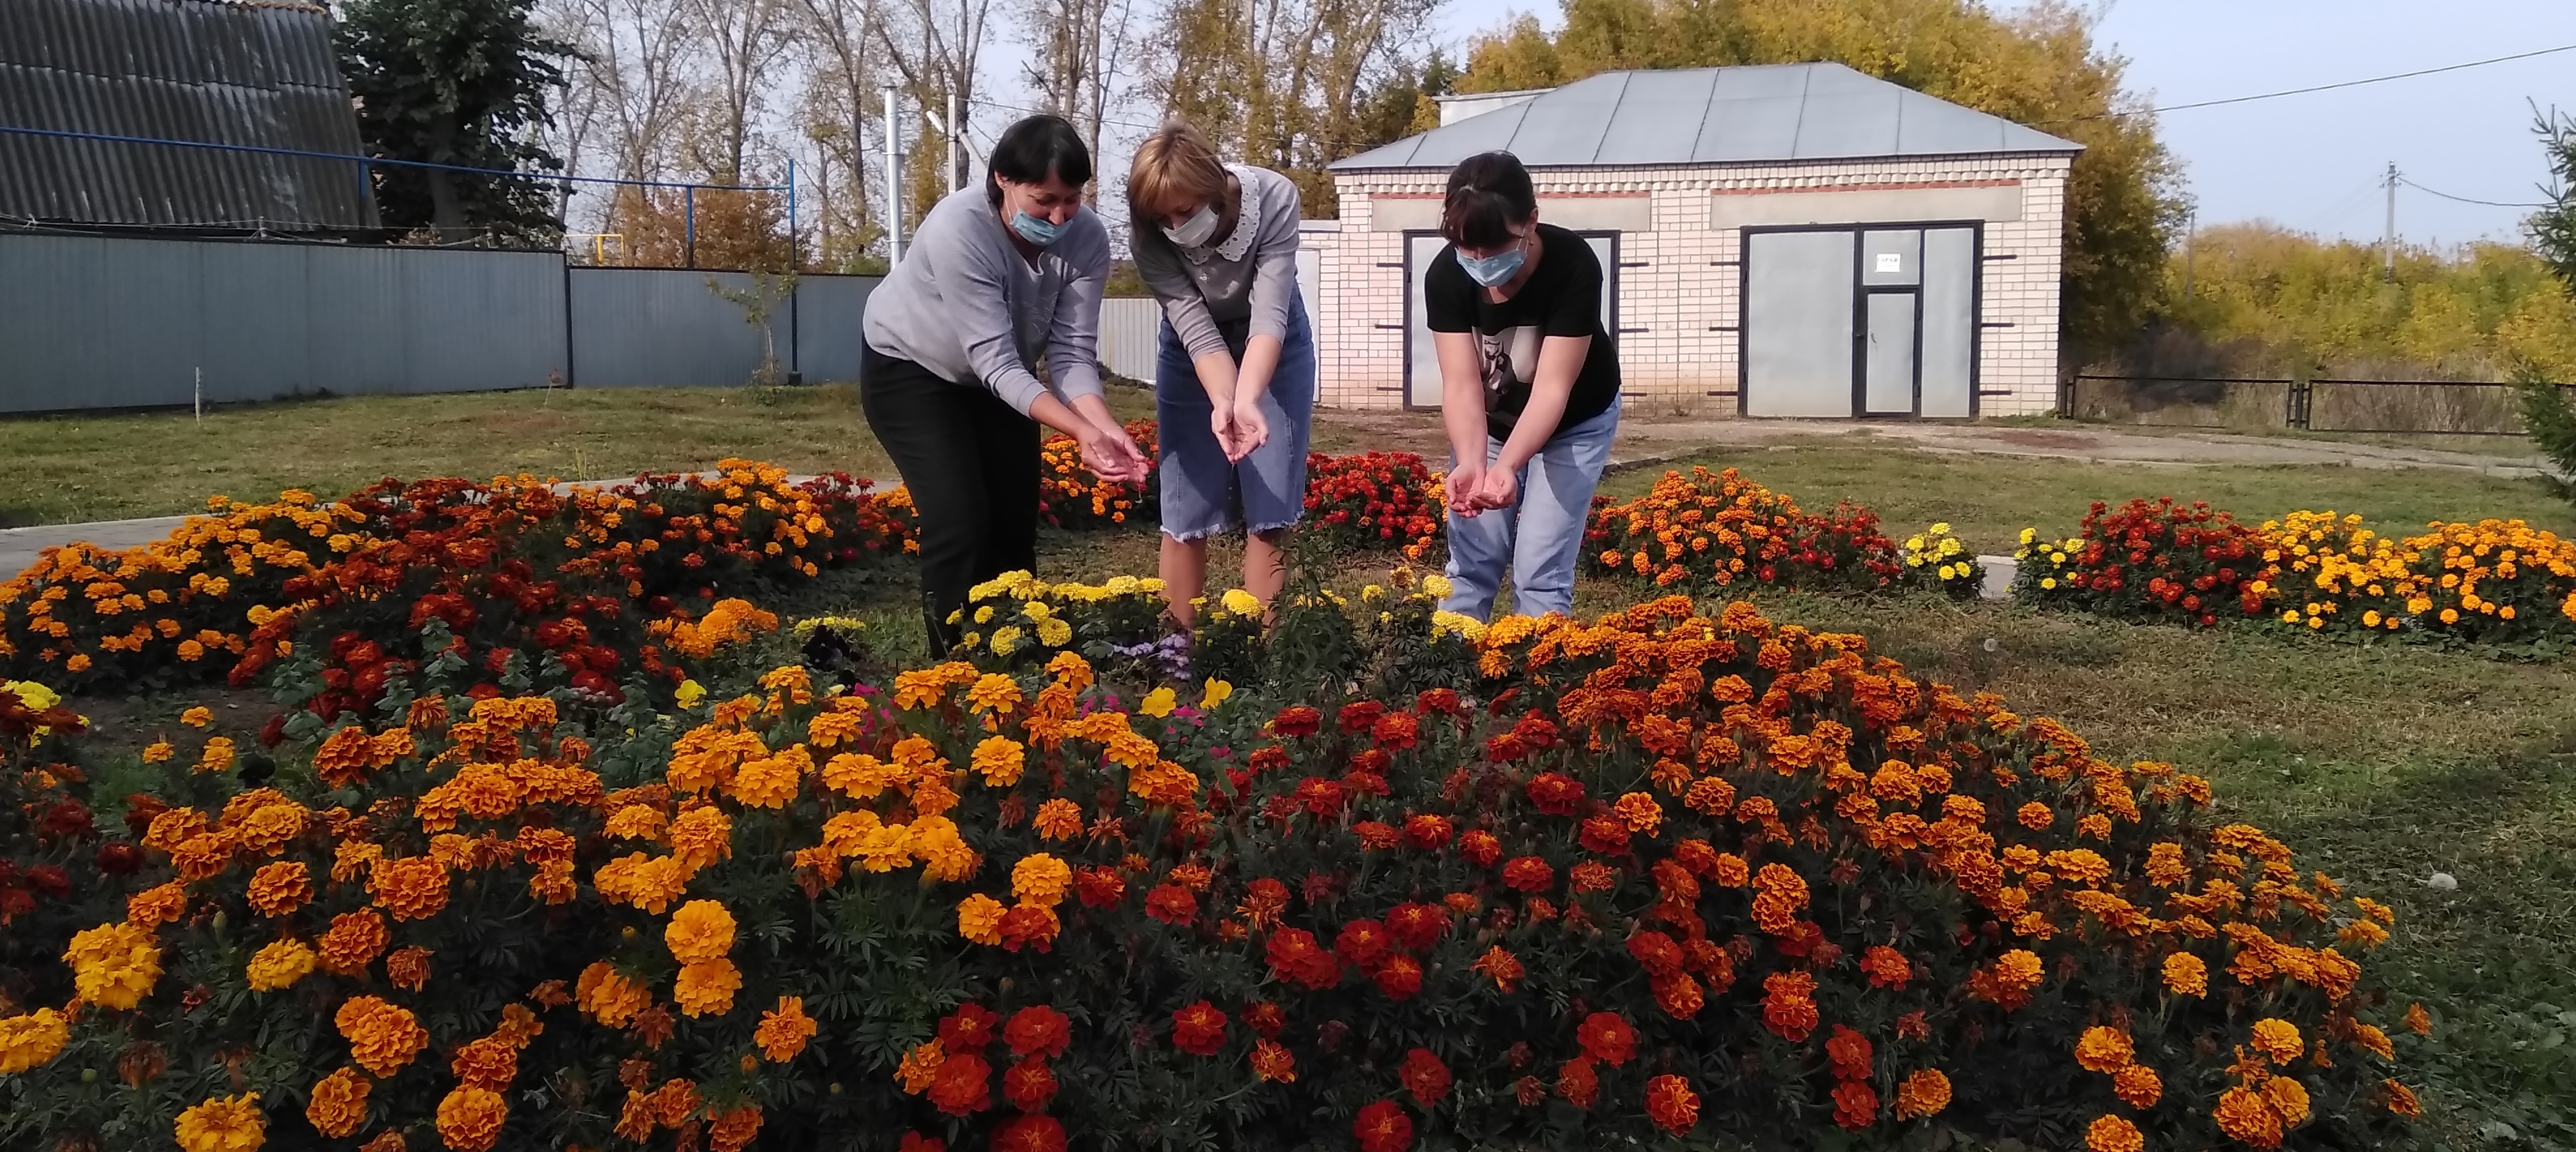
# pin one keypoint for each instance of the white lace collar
(1247, 221)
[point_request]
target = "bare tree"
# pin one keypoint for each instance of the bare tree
(741, 42)
(635, 75)
(1075, 65)
(841, 88)
(937, 46)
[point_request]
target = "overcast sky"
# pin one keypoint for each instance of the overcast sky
(2315, 162)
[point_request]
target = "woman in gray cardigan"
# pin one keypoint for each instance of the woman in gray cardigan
(1234, 386)
(999, 280)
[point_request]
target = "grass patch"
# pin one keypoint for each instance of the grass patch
(1988, 500)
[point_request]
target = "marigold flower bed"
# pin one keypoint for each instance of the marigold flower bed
(1657, 877)
(1708, 531)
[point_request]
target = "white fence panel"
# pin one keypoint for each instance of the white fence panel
(1131, 329)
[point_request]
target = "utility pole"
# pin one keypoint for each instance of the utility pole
(2391, 272)
(894, 181)
(2190, 249)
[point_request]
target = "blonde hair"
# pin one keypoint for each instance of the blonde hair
(1175, 167)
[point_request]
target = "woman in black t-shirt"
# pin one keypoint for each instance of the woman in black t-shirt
(1529, 389)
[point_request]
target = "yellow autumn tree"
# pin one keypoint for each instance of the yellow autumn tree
(2038, 66)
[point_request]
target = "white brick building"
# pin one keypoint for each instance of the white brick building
(1905, 251)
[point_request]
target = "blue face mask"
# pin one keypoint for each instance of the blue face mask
(1039, 232)
(1496, 269)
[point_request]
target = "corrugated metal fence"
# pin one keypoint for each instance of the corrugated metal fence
(1130, 331)
(112, 322)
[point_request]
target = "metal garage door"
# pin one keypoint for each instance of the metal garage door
(1422, 362)
(1871, 322)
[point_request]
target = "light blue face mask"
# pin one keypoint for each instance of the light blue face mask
(1042, 233)
(1494, 270)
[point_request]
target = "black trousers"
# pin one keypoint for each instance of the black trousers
(971, 462)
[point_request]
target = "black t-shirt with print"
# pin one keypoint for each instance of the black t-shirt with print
(1562, 298)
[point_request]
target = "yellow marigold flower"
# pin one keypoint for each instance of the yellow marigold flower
(1040, 879)
(1054, 632)
(114, 965)
(2138, 1086)
(2103, 1049)
(1000, 760)
(32, 1040)
(784, 1030)
(339, 1103)
(383, 1037)
(706, 987)
(2287, 1097)
(1436, 586)
(1240, 602)
(1159, 703)
(159, 751)
(225, 1124)
(1059, 819)
(1006, 639)
(2113, 1134)
(920, 1067)
(2278, 1039)
(280, 964)
(979, 919)
(700, 930)
(470, 1118)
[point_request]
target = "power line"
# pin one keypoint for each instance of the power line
(2464, 199)
(2320, 87)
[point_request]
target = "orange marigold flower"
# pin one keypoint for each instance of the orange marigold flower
(1788, 1007)
(1502, 966)
(354, 941)
(412, 887)
(2374, 1041)
(1671, 1104)
(2018, 969)
(408, 968)
(979, 919)
(2278, 1039)
(2244, 1116)
(470, 1118)
(920, 1067)
(1640, 812)
(2113, 1134)
(280, 888)
(1059, 819)
(158, 905)
(733, 1128)
(2138, 1086)
(2186, 975)
(1041, 879)
(489, 1062)
(700, 930)
(383, 1037)
(706, 987)
(2036, 815)
(2103, 1049)
(1924, 1093)
(784, 1030)
(339, 1103)
(222, 1124)
(2419, 1021)
(609, 996)
(2401, 1099)
(2287, 1097)
(1886, 967)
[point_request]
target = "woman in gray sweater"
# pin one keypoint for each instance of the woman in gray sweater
(1234, 386)
(1000, 279)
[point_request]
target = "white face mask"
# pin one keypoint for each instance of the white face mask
(1196, 231)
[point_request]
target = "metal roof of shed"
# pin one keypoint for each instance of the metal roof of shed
(1753, 114)
(260, 73)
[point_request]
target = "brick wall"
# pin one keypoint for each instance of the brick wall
(1689, 282)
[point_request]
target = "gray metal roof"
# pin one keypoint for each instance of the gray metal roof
(1755, 114)
(260, 73)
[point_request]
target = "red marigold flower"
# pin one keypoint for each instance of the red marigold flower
(1383, 1127)
(1481, 848)
(1099, 887)
(1265, 1018)
(1426, 831)
(1656, 952)
(1788, 1009)
(1425, 1076)
(1296, 956)
(1855, 1105)
(1504, 967)
(1607, 1037)
(963, 1085)
(1555, 793)
(916, 1142)
(968, 1028)
(1029, 1085)
(1362, 942)
(1592, 876)
(1886, 967)
(1505, 747)
(1360, 715)
(1418, 926)
(1171, 904)
(1377, 836)
(1198, 1029)
(1604, 834)
(1441, 701)
(1696, 857)
(1320, 797)
(1030, 1134)
(1400, 977)
(1850, 1053)
(1272, 1062)
(1671, 1104)
(1038, 1030)
(1528, 1090)
(1297, 720)
(1529, 874)
(1678, 995)
(1396, 731)
(1030, 926)
(1577, 1082)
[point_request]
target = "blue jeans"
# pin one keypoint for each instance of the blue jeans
(1541, 535)
(1201, 488)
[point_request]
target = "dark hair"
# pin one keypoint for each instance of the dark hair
(1488, 193)
(1034, 149)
